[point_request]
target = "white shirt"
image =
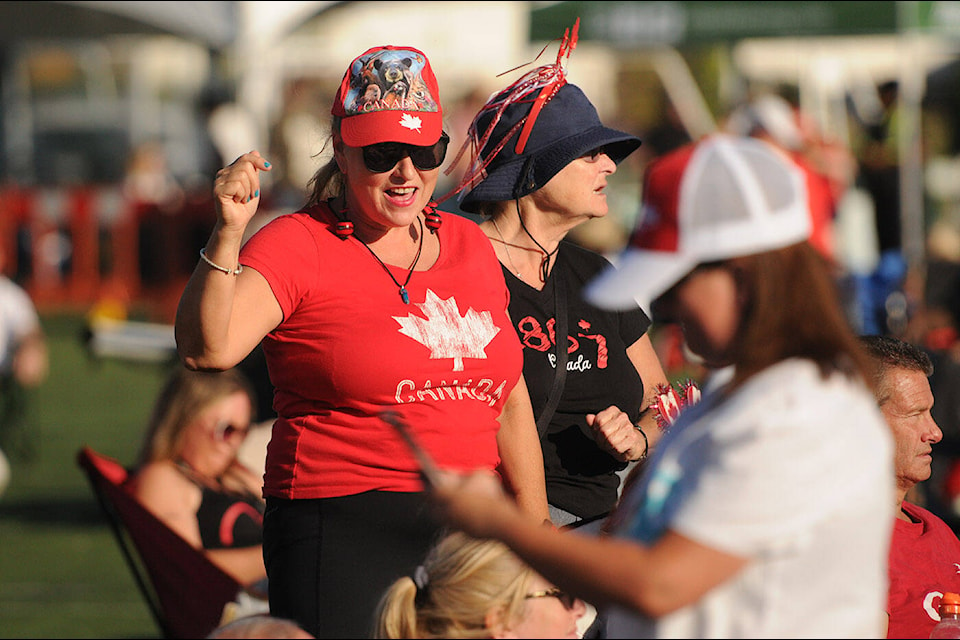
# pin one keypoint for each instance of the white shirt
(18, 318)
(793, 472)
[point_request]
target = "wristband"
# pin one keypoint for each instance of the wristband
(646, 442)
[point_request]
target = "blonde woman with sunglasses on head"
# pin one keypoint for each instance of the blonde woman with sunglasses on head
(188, 474)
(472, 588)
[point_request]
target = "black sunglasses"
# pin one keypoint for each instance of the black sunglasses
(380, 158)
(594, 154)
(226, 431)
(568, 601)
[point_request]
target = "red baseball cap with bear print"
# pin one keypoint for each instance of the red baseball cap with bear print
(389, 94)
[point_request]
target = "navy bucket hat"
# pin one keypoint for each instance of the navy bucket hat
(566, 128)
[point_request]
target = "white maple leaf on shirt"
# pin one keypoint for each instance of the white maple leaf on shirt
(410, 122)
(448, 334)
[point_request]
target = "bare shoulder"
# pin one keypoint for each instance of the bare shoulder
(170, 496)
(162, 487)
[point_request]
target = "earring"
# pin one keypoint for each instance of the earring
(431, 217)
(343, 228)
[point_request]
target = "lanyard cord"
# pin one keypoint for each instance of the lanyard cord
(545, 264)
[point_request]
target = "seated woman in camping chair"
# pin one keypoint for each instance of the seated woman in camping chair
(189, 476)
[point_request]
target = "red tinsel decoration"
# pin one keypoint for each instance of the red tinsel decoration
(548, 79)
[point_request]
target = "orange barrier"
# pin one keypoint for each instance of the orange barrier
(78, 246)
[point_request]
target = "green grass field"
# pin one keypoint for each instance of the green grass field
(61, 572)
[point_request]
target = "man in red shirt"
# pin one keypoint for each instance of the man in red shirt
(924, 560)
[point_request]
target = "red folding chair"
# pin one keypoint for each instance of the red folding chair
(184, 590)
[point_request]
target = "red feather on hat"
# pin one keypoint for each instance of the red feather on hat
(547, 78)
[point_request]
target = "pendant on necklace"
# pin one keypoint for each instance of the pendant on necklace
(402, 288)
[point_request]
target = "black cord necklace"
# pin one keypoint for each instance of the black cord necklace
(545, 263)
(402, 287)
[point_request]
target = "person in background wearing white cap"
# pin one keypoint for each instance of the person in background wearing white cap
(765, 510)
(369, 304)
(771, 118)
(591, 373)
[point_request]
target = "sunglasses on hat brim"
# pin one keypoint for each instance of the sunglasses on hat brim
(382, 157)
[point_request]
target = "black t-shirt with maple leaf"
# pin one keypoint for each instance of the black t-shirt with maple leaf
(581, 478)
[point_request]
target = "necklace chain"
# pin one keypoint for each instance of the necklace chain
(544, 260)
(402, 287)
(506, 248)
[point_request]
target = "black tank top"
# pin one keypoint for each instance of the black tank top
(227, 520)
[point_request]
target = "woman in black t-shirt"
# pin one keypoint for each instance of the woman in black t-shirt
(543, 171)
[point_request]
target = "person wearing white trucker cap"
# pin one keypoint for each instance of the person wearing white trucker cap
(764, 510)
(705, 203)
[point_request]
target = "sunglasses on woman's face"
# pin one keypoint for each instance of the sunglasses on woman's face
(380, 158)
(568, 601)
(594, 154)
(226, 431)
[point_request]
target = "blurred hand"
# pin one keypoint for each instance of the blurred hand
(31, 361)
(615, 433)
(237, 189)
(239, 478)
(475, 502)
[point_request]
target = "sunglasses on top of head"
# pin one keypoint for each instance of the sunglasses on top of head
(382, 157)
(568, 601)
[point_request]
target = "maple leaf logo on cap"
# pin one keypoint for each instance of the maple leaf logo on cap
(410, 122)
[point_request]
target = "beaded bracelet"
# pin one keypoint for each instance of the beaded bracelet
(235, 272)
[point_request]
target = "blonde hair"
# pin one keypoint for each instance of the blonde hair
(328, 181)
(259, 626)
(185, 394)
(464, 579)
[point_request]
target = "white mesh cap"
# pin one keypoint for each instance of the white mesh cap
(771, 113)
(723, 197)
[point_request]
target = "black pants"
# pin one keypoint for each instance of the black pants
(19, 436)
(330, 560)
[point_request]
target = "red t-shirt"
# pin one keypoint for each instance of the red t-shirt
(924, 563)
(349, 348)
